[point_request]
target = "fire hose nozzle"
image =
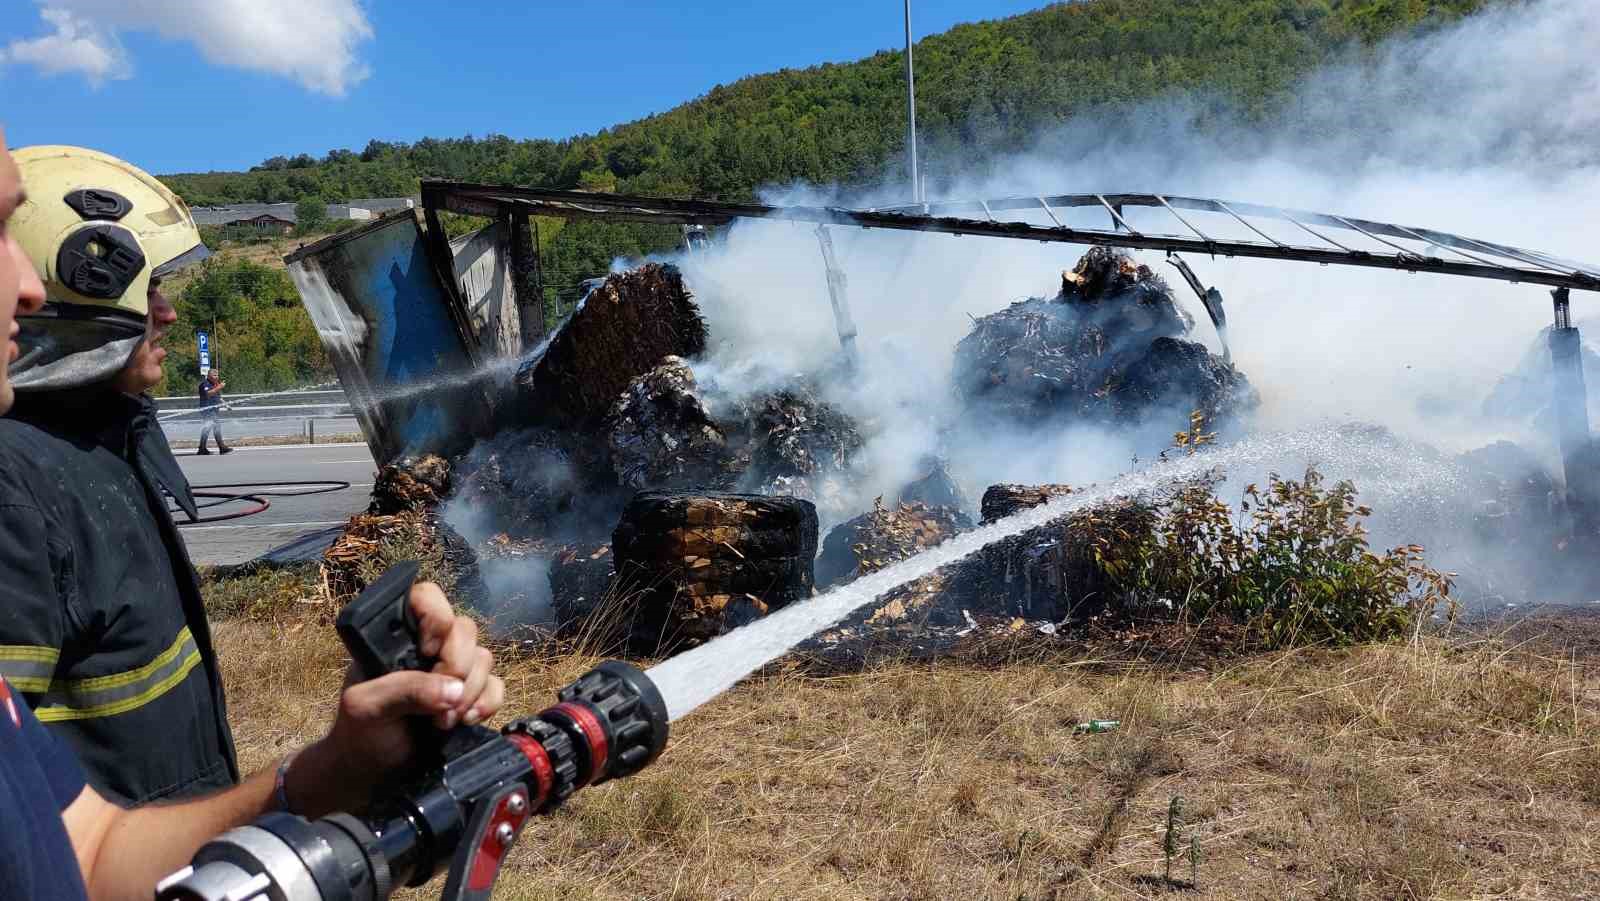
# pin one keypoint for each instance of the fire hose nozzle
(631, 711)
(466, 812)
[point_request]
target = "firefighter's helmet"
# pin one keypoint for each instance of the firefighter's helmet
(99, 231)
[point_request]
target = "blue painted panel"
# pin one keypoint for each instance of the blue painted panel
(384, 318)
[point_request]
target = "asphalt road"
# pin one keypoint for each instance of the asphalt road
(289, 518)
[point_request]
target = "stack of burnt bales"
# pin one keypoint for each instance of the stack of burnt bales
(704, 563)
(668, 431)
(552, 471)
(1111, 348)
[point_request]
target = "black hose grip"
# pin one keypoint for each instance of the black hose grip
(378, 627)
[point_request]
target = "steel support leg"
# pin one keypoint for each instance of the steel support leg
(839, 296)
(1571, 407)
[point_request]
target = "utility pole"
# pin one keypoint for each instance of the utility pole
(911, 114)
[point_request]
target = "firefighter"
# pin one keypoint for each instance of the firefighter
(59, 837)
(102, 627)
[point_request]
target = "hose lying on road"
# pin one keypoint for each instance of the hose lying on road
(216, 498)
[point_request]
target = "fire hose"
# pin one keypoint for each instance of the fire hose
(207, 496)
(465, 814)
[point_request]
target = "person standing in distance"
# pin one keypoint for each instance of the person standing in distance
(210, 406)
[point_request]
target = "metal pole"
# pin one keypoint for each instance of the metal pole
(840, 297)
(911, 113)
(1571, 407)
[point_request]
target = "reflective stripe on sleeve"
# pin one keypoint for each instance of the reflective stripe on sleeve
(27, 667)
(76, 699)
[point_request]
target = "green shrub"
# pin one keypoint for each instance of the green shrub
(1293, 563)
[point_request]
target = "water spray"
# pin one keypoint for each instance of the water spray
(241, 401)
(696, 676)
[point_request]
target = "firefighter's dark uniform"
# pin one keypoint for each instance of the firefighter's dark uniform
(101, 623)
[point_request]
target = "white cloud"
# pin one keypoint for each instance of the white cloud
(313, 42)
(74, 46)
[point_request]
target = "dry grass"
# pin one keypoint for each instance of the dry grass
(1441, 770)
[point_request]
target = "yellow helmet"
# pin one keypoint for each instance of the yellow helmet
(99, 231)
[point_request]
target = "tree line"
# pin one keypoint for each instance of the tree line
(984, 90)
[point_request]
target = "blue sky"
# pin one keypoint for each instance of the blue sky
(196, 85)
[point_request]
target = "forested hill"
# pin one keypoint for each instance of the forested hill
(983, 89)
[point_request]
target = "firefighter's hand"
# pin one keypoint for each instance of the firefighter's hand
(372, 738)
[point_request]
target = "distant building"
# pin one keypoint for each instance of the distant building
(266, 222)
(280, 217)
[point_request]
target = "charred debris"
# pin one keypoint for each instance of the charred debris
(665, 507)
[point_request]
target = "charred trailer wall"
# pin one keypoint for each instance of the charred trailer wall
(392, 330)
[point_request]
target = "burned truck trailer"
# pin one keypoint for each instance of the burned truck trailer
(426, 332)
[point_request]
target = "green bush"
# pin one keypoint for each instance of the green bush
(1293, 563)
(261, 337)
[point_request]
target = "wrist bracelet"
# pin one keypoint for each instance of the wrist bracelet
(280, 795)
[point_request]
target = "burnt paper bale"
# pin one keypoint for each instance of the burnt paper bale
(1110, 348)
(623, 328)
(1517, 505)
(661, 437)
(883, 536)
(1184, 377)
(580, 590)
(523, 483)
(1000, 501)
(934, 486)
(796, 444)
(410, 483)
(1051, 572)
(372, 543)
(702, 564)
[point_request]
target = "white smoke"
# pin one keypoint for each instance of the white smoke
(1486, 128)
